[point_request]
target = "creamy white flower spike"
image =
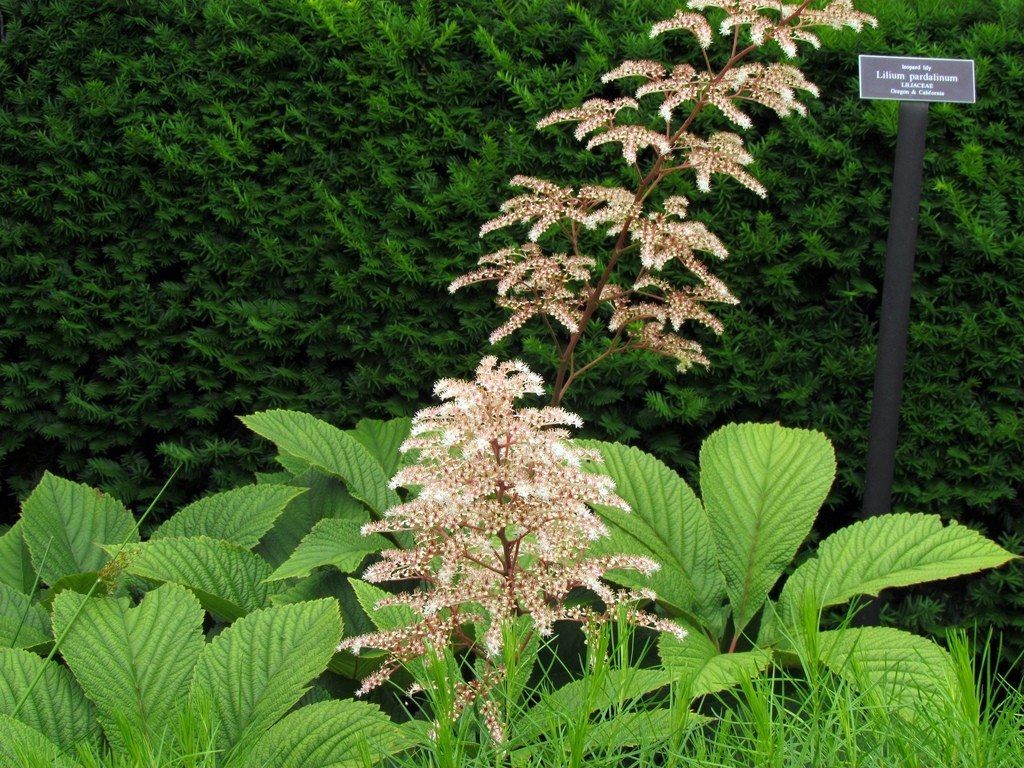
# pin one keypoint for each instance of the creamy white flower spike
(501, 523)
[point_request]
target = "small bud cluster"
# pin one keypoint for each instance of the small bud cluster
(643, 308)
(501, 522)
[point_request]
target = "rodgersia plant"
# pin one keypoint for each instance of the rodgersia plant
(501, 527)
(651, 282)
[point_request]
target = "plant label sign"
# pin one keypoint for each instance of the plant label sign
(907, 78)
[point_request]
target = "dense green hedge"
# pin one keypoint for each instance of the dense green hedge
(210, 208)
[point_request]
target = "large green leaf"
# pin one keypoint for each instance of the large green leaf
(331, 583)
(56, 706)
(22, 624)
(323, 497)
(582, 697)
(329, 734)
(666, 523)
(645, 727)
(697, 664)
(383, 439)
(16, 569)
(888, 551)
(134, 663)
(902, 669)
(331, 542)
(762, 486)
(228, 580)
(241, 516)
(385, 618)
(255, 670)
(329, 449)
(65, 525)
(24, 747)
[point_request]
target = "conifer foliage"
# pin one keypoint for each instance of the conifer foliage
(209, 209)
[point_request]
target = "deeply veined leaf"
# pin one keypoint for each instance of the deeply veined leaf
(256, 669)
(16, 569)
(19, 741)
(667, 523)
(324, 497)
(241, 515)
(82, 583)
(387, 617)
(293, 465)
(56, 706)
(134, 663)
(582, 697)
(65, 525)
(336, 543)
(762, 486)
(22, 623)
(902, 669)
(701, 668)
(888, 551)
(329, 734)
(641, 728)
(228, 580)
(334, 584)
(383, 440)
(329, 449)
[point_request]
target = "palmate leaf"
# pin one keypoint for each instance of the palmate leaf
(574, 700)
(887, 551)
(762, 486)
(26, 747)
(697, 664)
(258, 668)
(292, 465)
(323, 497)
(667, 523)
(83, 583)
(22, 623)
(56, 707)
(241, 515)
(134, 663)
(228, 580)
(16, 569)
(385, 618)
(902, 669)
(383, 439)
(329, 449)
(329, 734)
(334, 584)
(337, 543)
(65, 525)
(641, 728)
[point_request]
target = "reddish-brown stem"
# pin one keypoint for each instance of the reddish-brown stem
(735, 641)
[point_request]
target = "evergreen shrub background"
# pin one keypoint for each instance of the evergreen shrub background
(209, 208)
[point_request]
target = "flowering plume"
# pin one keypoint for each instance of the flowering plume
(501, 523)
(545, 205)
(785, 23)
(589, 116)
(722, 153)
(531, 283)
(644, 311)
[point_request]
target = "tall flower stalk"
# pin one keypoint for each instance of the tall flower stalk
(501, 525)
(501, 505)
(651, 282)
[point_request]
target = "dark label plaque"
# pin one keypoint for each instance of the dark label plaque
(906, 78)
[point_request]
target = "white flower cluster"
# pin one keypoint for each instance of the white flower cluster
(501, 522)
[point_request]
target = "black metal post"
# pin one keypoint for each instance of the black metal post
(895, 315)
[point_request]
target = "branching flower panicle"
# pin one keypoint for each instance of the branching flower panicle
(619, 286)
(501, 523)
